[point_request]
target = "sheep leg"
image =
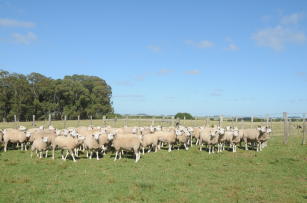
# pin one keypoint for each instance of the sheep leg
(97, 155)
(26, 147)
(156, 148)
(31, 154)
(212, 149)
(87, 154)
(67, 152)
(143, 148)
(40, 154)
(116, 153)
(5, 146)
(72, 154)
(209, 149)
(185, 146)
(246, 148)
(62, 154)
(169, 147)
(120, 154)
(91, 154)
(46, 154)
(21, 147)
(149, 150)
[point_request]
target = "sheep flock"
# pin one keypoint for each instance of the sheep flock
(97, 141)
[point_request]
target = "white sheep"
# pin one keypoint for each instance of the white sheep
(40, 145)
(14, 136)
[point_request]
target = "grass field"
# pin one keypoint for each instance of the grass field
(277, 174)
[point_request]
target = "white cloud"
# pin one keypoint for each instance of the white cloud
(154, 48)
(24, 38)
(200, 44)
(278, 36)
(164, 71)
(232, 47)
(193, 72)
(216, 92)
(5, 22)
(292, 19)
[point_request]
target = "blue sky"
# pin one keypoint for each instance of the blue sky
(164, 57)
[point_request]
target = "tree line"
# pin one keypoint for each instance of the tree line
(35, 94)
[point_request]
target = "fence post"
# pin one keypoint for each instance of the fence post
(173, 121)
(153, 121)
(65, 118)
(78, 122)
(252, 121)
(242, 121)
(236, 121)
(104, 121)
(304, 129)
(221, 121)
(91, 117)
(33, 120)
(49, 120)
(267, 120)
(115, 121)
(15, 120)
(286, 127)
(126, 121)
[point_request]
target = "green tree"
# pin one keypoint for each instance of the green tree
(184, 115)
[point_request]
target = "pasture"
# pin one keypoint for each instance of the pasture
(277, 174)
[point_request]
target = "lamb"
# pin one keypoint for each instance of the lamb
(151, 141)
(40, 145)
(66, 143)
(209, 136)
(130, 142)
(14, 136)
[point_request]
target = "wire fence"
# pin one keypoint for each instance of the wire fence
(282, 124)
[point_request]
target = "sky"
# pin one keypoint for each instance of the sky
(163, 57)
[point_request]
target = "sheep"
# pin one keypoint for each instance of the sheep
(210, 137)
(91, 144)
(50, 136)
(182, 137)
(168, 137)
(14, 136)
(66, 143)
(127, 142)
(254, 136)
(40, 145)
(151, 141)
(196, 134)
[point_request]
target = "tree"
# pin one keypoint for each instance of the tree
(184, 115)
(39, 95)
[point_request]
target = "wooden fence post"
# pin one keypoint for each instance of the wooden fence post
(221, 121)
(65, 118)
(91, 117)
(173, 121)
(286, 127)
(49, 120)
(126, 121)
(236, 121)
(78, 122)
(104, 121)
(242, 121)
(15, 120)
(183, 120)
(267, 120)
(304, 129)
(115, 121)
(252, 121)
(33, 120)
(153, 121)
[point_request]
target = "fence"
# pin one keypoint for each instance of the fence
(281, 125)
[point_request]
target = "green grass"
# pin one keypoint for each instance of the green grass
(277, 174)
